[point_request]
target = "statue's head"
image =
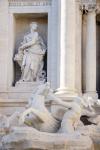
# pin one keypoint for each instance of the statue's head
(33, 26)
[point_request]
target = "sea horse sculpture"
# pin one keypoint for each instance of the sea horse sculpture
(38, 116)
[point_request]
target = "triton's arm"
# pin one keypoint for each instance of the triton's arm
(53, 98)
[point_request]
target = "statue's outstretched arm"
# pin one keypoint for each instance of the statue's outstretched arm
(57, 100)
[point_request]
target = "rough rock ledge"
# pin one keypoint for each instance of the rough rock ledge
(27, 138)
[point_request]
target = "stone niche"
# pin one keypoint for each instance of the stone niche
(22, 24)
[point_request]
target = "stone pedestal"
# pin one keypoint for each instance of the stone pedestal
(27, 85)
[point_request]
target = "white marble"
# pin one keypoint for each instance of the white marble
(37, 119)
(69, 71)
(30, 56)
(91, 52)
(67, 49)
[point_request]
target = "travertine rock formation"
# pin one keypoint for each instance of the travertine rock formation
(26, 138)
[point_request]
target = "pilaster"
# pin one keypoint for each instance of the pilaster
(3, 44)
(90, 60)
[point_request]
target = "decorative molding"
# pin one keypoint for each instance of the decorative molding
(30, 2)
(98, 8)
(88, 5)
(88, 1)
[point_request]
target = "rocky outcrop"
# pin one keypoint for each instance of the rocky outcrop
(27, 138)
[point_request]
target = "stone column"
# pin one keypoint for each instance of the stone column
(67, 49)
(3, 44)
(78, 48)
(91, 53)
(84, 27)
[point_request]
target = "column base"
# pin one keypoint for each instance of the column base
(66, 94)
(92, 94)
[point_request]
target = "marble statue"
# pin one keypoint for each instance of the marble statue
(37, 120)
(71, 119)
(30, 55)
(38, 116)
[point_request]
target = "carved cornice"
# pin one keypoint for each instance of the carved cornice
(29, 2)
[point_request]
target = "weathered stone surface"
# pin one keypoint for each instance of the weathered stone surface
(26, 138)
(96, 139)
(93, 132)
